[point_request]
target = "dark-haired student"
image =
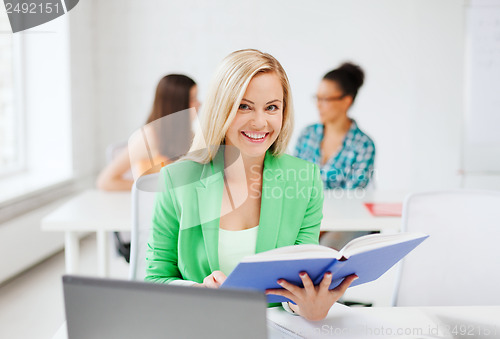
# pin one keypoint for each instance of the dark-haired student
(343, 152)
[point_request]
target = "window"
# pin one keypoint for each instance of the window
(35, 110)
(11, 148)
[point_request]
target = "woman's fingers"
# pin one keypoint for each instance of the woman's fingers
(294, 289)
(345, 284)
(219, 277)
(326, 281)
(214, 280)
(283, 293)
(210, 282)
(306, 281)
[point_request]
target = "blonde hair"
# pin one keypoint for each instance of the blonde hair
(223, 99)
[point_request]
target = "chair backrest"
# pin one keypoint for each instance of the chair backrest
(459, 264)
(144, 192)
(112, 150)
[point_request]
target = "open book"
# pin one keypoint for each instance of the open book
(368, 257)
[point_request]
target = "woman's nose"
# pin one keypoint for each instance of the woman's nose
(259, 119)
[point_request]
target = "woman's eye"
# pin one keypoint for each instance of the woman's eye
(244, 107)
(272, 108)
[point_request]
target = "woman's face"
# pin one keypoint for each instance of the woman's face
(258, 121)
(331, 105)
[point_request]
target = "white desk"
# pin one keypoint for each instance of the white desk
(345, 211)
(90, 211)
(387, 322)
(102, 212)
(396, 322)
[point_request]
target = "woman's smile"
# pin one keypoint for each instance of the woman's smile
(255, 137)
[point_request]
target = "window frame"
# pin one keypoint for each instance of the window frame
(17, 62)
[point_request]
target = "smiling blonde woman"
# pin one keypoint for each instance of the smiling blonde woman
(236, 193)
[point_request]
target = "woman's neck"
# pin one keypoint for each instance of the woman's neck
(337, 127)
(238, 167)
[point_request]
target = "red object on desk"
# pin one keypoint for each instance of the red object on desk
(384, 209)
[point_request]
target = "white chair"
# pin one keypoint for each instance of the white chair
(459, 264)
(143, 196)
(114, 149)
(121, 240)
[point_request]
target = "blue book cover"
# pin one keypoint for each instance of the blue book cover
(368, 257)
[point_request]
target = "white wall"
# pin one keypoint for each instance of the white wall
(412, 52)
(23, 244)
(83, 89)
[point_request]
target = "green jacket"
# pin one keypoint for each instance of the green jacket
(183, 243)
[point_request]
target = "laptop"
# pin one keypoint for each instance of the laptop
(107, 308)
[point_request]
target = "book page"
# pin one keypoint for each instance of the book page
(293, 252)
(373, 241)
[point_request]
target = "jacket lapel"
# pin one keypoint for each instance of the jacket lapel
(273, 190)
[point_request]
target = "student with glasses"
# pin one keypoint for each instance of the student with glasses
(343, 152)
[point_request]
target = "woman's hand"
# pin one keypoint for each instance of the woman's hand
(214, 280)
(312, 302)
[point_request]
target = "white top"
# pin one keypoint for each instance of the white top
(234, 246)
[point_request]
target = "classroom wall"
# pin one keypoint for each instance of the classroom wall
(412, 52)
(83, 90)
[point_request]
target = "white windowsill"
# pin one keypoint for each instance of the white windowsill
(15, 187)
(25, 193)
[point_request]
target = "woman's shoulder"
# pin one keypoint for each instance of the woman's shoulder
(361, 138)
(287, 161)
(183, 171)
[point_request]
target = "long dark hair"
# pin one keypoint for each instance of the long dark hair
(349, 77)
(174, 133)
(172, 95)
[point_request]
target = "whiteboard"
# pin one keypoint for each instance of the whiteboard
(481, 140)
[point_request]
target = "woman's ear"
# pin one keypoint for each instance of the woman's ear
(347, 101)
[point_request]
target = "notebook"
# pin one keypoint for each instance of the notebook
(107, 308)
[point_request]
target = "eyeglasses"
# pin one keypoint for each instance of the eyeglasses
(327, 99)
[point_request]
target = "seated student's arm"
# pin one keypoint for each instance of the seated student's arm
(150, 165)
(110, 178)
